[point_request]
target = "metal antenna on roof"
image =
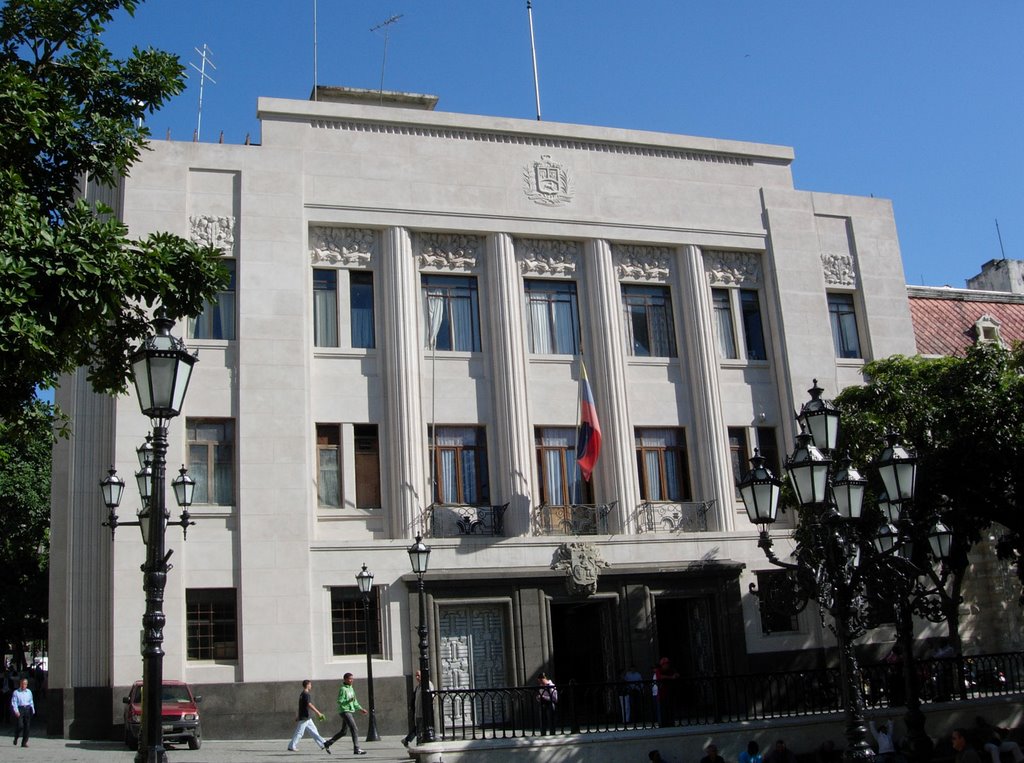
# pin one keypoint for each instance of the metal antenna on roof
(386, 26)
(315, 94)
(1000, 235)
(205, 54)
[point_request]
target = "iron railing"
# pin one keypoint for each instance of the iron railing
(450, 520)
(499, 713)
(673, 517)
(572, 519)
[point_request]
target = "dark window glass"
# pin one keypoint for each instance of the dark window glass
(211, 623)
(349, 624)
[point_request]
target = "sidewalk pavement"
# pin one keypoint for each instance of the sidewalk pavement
(388, 750)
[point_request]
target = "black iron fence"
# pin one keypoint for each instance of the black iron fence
(521, 711)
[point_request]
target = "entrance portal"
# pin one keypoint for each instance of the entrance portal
(582, 642)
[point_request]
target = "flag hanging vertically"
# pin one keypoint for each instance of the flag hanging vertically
(588, 436)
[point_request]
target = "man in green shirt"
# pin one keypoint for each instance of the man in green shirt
(347, 707)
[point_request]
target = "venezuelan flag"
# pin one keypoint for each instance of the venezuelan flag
(588, 436)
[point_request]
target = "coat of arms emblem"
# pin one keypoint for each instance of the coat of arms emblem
(547, 182)
(581, 563)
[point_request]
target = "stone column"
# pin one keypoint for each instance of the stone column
(710, 441)
(403, 464)
(606, 367)
(512, 434)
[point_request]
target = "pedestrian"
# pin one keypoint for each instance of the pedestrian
(303, 721)
(23, 707)
(752, 754)
(417, 708)
(712, 755)
(883, 734)
(631, 694)
(348, 705)
(667, 680)
(964, 752)
(995, 740)
(547, 700)
(780, 754)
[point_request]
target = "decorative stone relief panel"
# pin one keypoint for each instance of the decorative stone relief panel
(732, 268)
(213, 230)
(543, 257)
(448, 251)
(838, 269)
(642, 263)
(581, 563)
(342, 246)
(547, 182)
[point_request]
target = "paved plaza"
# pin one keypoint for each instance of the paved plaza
(388, 750)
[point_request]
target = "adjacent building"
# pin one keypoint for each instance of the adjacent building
(414, 295)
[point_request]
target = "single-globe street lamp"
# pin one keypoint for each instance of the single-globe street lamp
(419, 557)
(161, 368)
(364, 579)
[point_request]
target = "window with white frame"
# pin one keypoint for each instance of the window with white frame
(459, 465)
(648, 319)
(561, 483)
(217, 320)
(662, 464)
(329, 284)
(211, 460)
(747, 342)
(552, 317)
(843, 316)
(452, 312)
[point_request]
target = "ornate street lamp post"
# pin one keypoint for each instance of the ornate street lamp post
(161, 367)
(364, 579)
(419, 557)
(831, 538)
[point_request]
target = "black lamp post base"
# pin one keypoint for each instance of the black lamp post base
(371, 729)
(151, 755)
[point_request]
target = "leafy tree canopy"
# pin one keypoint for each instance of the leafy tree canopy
(25, 453)
(74, 287)
(965, 418)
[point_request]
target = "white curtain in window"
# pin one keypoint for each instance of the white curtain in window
(462, 324)
(325, 317)
(540, 330)
(328, 486)
(723, 319)
(197, 470)
(448, 482)
(563, 315)
(435, 316)
(652, 467)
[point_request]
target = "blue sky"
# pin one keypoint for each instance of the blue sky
(918, 102)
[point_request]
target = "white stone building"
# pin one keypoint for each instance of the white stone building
(704, 292)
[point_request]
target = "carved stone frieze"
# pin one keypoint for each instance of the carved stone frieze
(213, 230)
(732, 268)
(341, 246)
(581, 563)
(838, 269)
(642, 263)
(547, 257)
(449, 251)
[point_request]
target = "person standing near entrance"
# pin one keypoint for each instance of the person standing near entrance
(667, 681)
(23, 707)
(547, 698)
(348, 705)
(417, 710)
(305, 723)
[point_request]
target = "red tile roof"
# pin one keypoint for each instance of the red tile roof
(944, 318)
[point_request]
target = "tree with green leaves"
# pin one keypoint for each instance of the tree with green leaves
(25, 457)
(964, 416)
(75, 289)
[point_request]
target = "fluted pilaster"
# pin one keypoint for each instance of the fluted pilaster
(710, 442)
(605, 355)
(405, 489)
(512, 431)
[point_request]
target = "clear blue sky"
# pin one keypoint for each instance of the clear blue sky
(918, 102)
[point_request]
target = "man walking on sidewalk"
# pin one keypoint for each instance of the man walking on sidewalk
(24, 708)
(304, 722)
(347, 707)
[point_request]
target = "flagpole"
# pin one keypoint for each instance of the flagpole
(579, 408)
(533, 51)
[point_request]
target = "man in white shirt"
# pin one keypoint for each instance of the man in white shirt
(24, 708)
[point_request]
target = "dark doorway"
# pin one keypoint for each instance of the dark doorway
(686, 634)
(583, 649)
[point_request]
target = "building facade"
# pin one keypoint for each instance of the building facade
(399, 352)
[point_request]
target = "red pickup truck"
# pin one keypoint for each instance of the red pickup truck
(180, 715)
